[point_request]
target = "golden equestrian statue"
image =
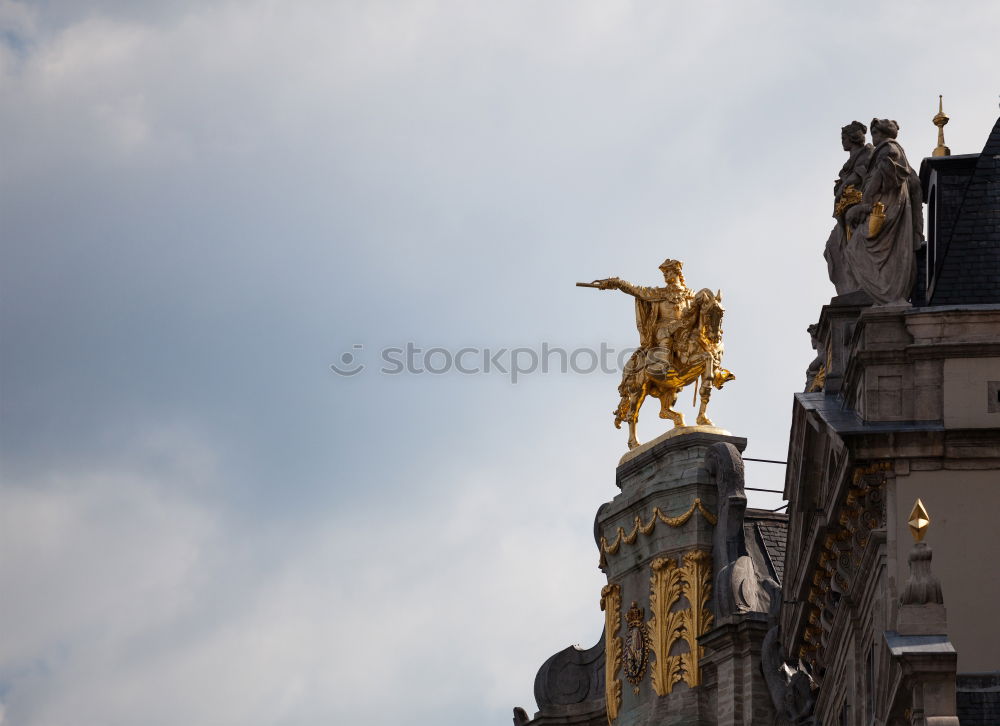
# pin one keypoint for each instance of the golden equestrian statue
(680, 341)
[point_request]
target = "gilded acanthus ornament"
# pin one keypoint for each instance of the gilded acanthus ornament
(680, 342)
(611, 604)
(692, 580)
(696, 573)
(666, 625)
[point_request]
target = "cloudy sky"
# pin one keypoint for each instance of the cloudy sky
(206, 204)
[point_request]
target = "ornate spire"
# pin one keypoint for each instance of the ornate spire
(922, 587)
(919, 521)
(939, 120)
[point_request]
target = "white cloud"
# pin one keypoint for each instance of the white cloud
(134, 598)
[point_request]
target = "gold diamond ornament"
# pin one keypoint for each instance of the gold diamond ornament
(919, 521)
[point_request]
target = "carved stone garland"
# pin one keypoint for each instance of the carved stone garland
(640, 527)
(841, 556)
(611, 604)
(668, 584)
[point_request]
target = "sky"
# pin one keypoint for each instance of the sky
(206, 205)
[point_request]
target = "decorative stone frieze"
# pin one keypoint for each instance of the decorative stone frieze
(840, 557)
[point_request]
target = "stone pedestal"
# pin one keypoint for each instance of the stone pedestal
(733, 653)
(836, 327)
(667, 547)
(656, 549)
(929, 619)
(928, 664)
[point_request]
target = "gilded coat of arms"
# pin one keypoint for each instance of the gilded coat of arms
(636, 656)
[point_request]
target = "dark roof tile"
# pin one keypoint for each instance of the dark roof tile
(771, 529)
(970, 270)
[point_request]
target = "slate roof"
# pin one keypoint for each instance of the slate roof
(770, 531)
(953, 175)
(970, 271)
(978, 699)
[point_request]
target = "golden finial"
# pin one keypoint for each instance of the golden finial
(939, 120)
(920, 520)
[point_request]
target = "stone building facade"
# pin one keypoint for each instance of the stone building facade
(675, 651)
(909, 408)
(831, 614)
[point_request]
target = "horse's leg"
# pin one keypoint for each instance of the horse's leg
(676, 416)
(632, 440)
(667, 401)
(628, 389)
(703, 419)
(661, 394)
(706, 391)
(622, 413)
(665, 404)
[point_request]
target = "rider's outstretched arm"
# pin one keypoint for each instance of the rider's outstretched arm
(629, 289)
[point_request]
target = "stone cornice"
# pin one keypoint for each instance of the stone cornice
(665, 447)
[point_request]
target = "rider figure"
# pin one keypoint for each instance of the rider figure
(659, 311)
(680, 343)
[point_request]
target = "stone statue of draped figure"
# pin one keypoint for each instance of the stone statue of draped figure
(887, 225)
(847, 193)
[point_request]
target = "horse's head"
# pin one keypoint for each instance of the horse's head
(722, 377)
(710, 312)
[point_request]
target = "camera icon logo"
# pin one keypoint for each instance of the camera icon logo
(349, 365)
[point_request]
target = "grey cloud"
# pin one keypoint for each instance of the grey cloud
(205, 204)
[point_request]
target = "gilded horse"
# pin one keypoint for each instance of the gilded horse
(693, 352)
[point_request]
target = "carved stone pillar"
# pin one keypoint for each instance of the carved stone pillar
(655, 541)
(733, 650)
(928, 664)
(920, 644)
(836, 326)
